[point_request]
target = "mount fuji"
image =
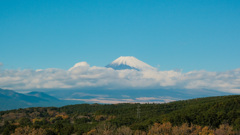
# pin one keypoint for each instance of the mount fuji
(129, 62)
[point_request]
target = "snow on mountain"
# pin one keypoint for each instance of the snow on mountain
(129, 62)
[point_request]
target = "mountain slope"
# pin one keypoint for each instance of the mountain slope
(11, 95)
(12, 100)
(42, 96)
(129, 62)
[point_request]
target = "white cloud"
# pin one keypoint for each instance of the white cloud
(128, 100)
(104, 100)
(1, 64)
(146, 98)
(81, 75)
(80, 65)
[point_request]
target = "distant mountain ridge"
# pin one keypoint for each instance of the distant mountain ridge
(10, 99)
(11, 95)
(13, 100)
(42, 95)
(129, 62)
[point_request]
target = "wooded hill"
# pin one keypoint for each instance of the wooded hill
(211, 115)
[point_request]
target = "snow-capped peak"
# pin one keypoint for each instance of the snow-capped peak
(129, 62)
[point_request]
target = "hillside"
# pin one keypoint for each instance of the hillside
(13, 100)
(210, 115)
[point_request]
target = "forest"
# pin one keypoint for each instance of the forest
(201, 116)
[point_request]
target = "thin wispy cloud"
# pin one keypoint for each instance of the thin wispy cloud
(126, 100)
(83, 76)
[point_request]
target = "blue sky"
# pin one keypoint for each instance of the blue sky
(188, 35)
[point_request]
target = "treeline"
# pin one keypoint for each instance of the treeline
(106, 128)
(212, 115)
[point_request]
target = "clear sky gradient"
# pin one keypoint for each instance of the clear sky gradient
(188, 35)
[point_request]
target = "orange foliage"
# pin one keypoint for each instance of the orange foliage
(124, 130)
(91, 132)
(206, 131)
(51, 112)
(35, 120)
(158, 129)
(29, 131)
(181, 130)
(16, 124)
(195, 129)
(167, 129)
(111, 117)
(139, 132)
(224, 129)
(64, 116)
(100, 117)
